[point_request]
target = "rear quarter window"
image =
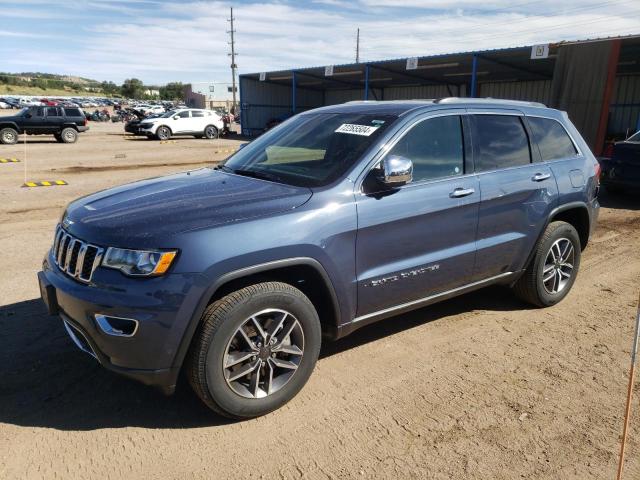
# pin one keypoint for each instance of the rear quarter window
(553, 140)
(72, 112)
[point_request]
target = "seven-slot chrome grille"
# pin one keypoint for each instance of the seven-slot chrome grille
(74, 257)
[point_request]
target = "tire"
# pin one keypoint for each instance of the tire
(163, 133)
(8, 136)
(69, 135)
(533, 287)
(225, 331)
(210, 132)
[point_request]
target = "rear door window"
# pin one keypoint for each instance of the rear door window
(435, 147)
(184, 114)
(52, 112)
(501, 142)
(553, 140)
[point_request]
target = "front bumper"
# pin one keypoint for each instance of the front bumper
(162, 306)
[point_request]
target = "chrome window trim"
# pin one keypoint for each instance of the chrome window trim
(384, 151)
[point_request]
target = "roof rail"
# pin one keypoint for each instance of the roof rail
(488, 100)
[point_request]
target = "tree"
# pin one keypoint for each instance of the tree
(109, 88)
(172, 91)
(132, 88)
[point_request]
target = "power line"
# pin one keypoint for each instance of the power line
(233, 60)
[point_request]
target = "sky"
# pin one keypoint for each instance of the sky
(160, 41)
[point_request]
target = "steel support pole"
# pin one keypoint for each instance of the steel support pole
(293, 92)
(366, 82)
(474, 74)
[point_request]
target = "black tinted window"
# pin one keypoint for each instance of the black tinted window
(435, 148)
(501, 142)
(72, 112)
(197, 113)
(552, 139)
(184, 114)
(52, 112)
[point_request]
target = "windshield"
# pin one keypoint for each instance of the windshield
(168, 114)
(634, 138)
(310, 150)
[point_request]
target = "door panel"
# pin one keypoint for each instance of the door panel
(516, 196)
(54, 119)
(415, 242)
(419, 239)
(36, 123)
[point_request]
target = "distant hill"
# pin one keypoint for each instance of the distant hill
(37, 83)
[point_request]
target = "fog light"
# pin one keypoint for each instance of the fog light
(117, 326)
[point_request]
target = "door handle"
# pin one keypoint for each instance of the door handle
(461, 192)
(539, 177)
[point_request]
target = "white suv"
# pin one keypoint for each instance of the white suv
(184, 121)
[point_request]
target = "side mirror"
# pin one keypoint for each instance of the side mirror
(396, 171)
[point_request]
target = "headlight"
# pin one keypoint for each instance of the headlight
(138, 262)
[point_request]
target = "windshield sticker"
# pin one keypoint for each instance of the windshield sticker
(353, 129)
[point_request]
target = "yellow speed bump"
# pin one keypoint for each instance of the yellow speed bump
(9, 160)
(45, 183)
(226, 151)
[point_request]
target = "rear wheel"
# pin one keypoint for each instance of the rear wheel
(255, 350)
(69, 135)
(553, 270)
(8, 136)
(210, 132)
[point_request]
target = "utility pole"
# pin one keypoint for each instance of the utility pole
(233, 61)
(358, 46)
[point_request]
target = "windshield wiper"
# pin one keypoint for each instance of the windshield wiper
(256, 174)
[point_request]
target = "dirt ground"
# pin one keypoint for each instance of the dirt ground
(478, 387)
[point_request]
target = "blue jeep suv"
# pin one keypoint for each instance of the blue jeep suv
(338, 217)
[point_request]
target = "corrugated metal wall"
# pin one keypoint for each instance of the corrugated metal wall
(412, 92)
(334, 97)
(532, 91)
(262, 101)
(624, 114)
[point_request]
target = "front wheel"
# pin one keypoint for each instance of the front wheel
(163, 133)
(8, 136)
(553, 270)
(255, 350)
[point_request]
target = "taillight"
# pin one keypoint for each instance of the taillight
(598, 172)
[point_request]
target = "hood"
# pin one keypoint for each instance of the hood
(150, 212)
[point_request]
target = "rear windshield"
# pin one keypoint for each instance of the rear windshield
(310, 150)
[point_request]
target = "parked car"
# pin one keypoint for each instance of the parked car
(4, 105)
(61, 122)
(621, 172)
(339, 217)
(190, 121)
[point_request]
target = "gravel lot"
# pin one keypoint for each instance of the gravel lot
(478, 387)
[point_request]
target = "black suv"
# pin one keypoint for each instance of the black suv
(63, 123)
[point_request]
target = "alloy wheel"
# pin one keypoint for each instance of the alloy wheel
(8, 137)
(558, 266)
(263, 354)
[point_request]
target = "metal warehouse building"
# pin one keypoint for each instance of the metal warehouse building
(596, 81)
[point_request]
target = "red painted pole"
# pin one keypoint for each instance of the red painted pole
(612, 68)
(627, 414)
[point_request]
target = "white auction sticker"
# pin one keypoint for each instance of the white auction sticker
(353, 129)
